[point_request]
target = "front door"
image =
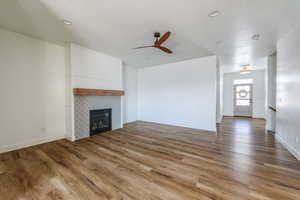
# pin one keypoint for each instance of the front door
(243, 100)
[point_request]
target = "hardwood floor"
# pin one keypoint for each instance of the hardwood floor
(147, 161)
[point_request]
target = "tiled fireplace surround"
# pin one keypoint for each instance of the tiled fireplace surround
(82, 106)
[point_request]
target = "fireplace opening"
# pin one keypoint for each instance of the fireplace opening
(100, 121)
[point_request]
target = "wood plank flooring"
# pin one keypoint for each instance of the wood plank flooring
(147, 161)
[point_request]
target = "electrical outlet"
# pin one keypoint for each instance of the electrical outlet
(297, 139)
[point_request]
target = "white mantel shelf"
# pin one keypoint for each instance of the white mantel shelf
(97, 92)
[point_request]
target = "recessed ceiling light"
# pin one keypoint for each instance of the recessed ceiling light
(66, 22)
(214, 13)
(256, 37)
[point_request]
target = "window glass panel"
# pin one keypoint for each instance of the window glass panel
(242, 92)
(243, 81)
(243, 102)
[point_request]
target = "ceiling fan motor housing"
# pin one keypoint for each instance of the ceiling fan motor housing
(157, 34)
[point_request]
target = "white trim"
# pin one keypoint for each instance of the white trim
(29, 143)
(288, 147)
(220, 118)
(71, 139)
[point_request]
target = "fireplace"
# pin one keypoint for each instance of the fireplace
(100, 121)
(86, 106)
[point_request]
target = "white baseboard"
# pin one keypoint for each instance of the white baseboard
(129, 122)
(29, 143)
(288, 147)
(72, 139)
(213, 130)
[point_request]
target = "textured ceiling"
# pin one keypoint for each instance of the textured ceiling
(114, 27)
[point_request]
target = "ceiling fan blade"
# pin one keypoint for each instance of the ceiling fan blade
(163, 38)
(165, 49)
(143, 47)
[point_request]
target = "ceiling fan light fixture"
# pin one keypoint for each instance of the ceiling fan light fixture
(214, 13)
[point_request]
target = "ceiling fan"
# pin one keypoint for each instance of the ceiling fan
(158, 42)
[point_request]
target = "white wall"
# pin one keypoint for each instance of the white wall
(182, 93)
(92, 69)
(33, 87)
(259, 92)
(288, 87)
(131, 96)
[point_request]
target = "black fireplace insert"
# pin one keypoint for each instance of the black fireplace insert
(100, 121)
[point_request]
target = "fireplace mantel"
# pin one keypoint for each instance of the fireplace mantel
(97, 92)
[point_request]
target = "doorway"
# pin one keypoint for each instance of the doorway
(243, 100)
